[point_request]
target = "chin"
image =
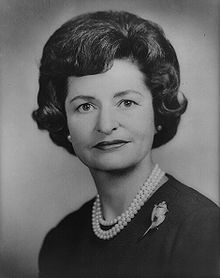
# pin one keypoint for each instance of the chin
(112, 168)
(114, 164)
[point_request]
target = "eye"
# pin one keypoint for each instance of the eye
(85, 108)
(127, 103)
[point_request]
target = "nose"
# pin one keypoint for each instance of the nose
(106, 121)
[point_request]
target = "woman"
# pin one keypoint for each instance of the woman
(109, 93)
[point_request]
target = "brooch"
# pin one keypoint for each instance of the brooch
(157, 217)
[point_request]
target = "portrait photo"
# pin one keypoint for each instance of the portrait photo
(109, 139)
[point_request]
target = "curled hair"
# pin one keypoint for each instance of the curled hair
(88, 44)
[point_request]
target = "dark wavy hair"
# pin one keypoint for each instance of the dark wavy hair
(88, 44)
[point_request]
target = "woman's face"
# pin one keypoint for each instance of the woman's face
(110, 117)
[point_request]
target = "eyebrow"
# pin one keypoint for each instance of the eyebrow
(84, 97)
(116, 95)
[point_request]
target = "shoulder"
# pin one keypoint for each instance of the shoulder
(59, 239)
(188, 200)
(189, 212)
(193, 211)
(195, 220)
(77, 217)
(71, 222)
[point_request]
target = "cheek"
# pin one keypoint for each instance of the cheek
(146, 132)
(143, 125)
(79, 132)
(79, 139)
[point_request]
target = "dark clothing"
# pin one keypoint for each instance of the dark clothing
(185, 245)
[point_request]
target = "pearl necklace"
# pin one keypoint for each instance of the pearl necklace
(145, 192)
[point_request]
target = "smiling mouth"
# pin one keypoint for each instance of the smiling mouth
(110, 145)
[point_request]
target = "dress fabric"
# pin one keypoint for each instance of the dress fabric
(185, 245)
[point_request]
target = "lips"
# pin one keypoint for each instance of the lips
(108, 145)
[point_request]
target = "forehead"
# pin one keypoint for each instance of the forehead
(123, 75)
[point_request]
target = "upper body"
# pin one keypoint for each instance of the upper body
(186, 244)
(109, 93)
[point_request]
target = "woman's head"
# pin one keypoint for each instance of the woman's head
(88, 45)
(113, 130)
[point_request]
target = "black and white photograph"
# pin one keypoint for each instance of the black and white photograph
(109, 139)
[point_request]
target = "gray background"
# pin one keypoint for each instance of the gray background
(40, 182)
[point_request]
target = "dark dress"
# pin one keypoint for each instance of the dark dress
(185, 245)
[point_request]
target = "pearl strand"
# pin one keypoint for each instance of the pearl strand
(104, 222)
(145, 192)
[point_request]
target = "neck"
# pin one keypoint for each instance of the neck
(117, 189)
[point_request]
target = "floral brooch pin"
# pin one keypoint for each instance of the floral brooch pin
(157, 217)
